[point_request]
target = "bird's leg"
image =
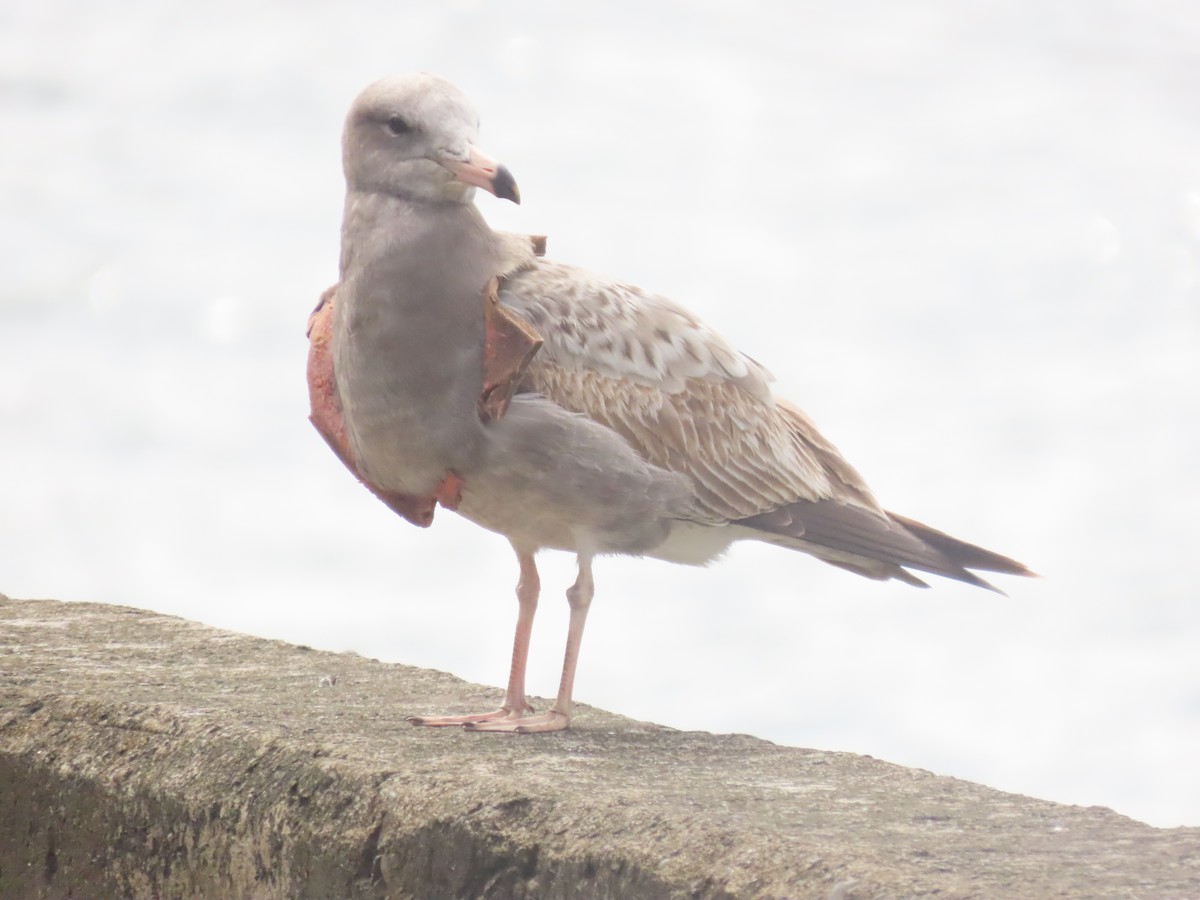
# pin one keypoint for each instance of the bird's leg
(558, 717)
(515, 705)
(528, 588)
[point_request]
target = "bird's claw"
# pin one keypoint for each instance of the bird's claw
(551, 720)
(470, 721)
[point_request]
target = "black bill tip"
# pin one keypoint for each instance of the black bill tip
(504, 186)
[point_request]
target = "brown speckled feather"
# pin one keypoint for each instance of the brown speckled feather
(677, 392)
(685, 400)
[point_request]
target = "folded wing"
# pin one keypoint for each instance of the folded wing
(686, 400)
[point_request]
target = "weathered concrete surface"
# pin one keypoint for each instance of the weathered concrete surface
(147, 756)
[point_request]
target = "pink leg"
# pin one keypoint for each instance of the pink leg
(558, 717)
(515, 705)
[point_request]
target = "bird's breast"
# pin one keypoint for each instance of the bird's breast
(408, 360)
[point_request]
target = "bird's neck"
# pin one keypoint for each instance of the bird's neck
(378, 224)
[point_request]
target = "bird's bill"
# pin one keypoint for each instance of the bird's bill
(480, 170)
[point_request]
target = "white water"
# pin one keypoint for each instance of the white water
(964, 237)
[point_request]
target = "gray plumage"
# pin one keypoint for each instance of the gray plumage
(415, 256)
(636, 429)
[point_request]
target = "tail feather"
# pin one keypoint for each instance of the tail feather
(967, 555)
(882, 573)
(878, 546)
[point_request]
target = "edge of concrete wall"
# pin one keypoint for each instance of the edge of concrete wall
(146, 756)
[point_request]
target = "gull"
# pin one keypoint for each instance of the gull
(452, 364)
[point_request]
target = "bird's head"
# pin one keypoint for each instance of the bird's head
(414, 136)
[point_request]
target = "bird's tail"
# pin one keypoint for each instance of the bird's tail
(877, 546)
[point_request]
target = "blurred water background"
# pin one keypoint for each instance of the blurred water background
(963, 236)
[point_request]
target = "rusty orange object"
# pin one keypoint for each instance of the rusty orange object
(509, 344)
(326, 415)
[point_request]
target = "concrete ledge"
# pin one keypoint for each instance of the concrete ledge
(148, 756)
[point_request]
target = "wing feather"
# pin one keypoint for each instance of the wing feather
(677, 392)
(687, 401)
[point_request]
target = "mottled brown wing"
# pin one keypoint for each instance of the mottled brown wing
(679, 393)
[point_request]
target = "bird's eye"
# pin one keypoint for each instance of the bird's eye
(398, 126)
